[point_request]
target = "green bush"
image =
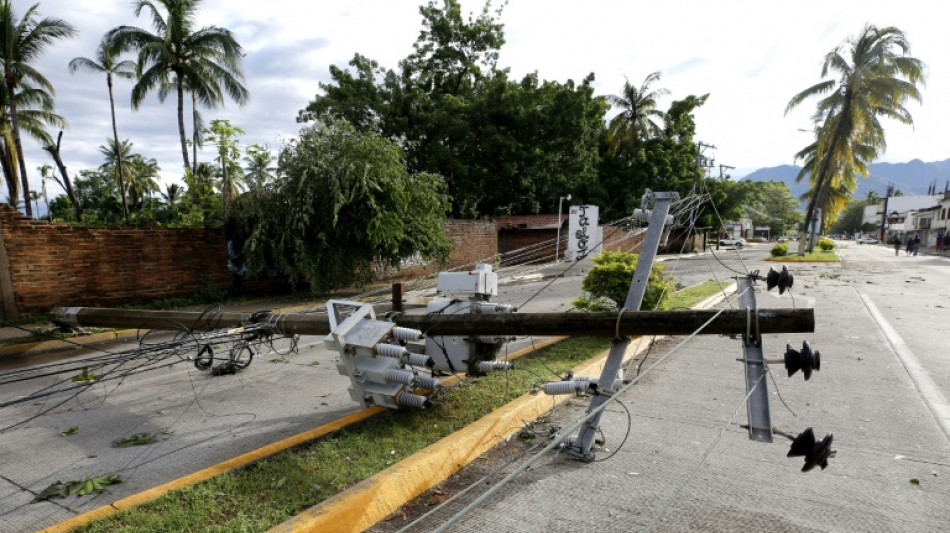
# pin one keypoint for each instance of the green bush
(609, 280)
(826, 244)
(780, 250)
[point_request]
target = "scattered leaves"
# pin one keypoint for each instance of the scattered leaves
(85, 376)
(914, 481)
(72, 430)
(89, 485)
(139, 439)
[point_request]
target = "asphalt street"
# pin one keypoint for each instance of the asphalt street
(687, 465)
(864, 394)
(196, 420)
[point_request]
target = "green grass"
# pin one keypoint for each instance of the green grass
(690, 296)
(266, 493)
(817, 256)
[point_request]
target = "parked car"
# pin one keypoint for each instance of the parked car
(735, 243)
(782, 239)
(864, 239)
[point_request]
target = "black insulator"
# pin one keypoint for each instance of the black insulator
(204, 358)
(783, 280)
(816, 453)
(806, 360)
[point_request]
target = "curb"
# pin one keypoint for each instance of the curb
(58, 345)
(373, 499)
(242, 460)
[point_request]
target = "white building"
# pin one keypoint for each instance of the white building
(898, 204)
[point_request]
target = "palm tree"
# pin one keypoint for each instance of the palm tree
(35, 113)
(875, 77)
(35, 196)
(21, 42)
(638, 112)
(259, 170)
(172, 195)
(143, 179)
(206, 62)
(106, 63)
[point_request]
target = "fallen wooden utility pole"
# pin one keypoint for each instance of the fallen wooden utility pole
(601, 324)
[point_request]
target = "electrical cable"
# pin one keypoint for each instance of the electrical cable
(571, 428)
(666, 505)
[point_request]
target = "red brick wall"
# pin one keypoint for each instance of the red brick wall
(54, 264)
(57, 265)
(472, 241)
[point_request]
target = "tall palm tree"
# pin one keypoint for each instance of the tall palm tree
(259, 170)
(171, 196)
(35, 112)
(875, 77)
(638, 114)
(177, 57)
(21, 42)
(107, 63)
(143, 179)
(35, 196)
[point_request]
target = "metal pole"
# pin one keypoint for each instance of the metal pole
(580, 445)
(760, 419)
(557, 243)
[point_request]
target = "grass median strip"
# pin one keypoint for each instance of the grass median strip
(269, 492)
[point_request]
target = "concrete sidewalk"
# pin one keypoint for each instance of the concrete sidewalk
(688, 466)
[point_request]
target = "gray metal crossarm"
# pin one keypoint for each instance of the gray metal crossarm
(580, 446)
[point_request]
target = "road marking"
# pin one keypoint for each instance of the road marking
(928, 389)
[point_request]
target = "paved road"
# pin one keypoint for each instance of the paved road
(687, 466)
(201, 421)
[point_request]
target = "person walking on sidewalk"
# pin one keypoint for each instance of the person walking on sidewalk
(896, 241)
(910, 245)
(939, 242)
(916, 243)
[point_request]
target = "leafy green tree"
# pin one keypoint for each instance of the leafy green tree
(22, 41)
(851, 218)
(502, 145)
(200, 205)
(223, 134)
(609, 281)
(770, 203)
(178, 57)
(637, 120)
(107, 63)
(342, 203)
(874, 77)
(666, 162)
(97, 193)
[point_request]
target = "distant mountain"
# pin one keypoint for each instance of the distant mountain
(913, 177)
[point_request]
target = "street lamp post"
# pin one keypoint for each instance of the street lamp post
(557, 244)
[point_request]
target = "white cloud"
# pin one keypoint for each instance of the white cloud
(751, 57)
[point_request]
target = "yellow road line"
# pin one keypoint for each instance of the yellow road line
(243, 460)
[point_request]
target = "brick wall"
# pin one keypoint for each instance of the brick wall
(472, 241)
(54, 264)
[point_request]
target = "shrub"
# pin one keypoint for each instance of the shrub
(780, 250)
(609, 281)
(826, 244)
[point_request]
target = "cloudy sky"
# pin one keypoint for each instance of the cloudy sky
(750, 56)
